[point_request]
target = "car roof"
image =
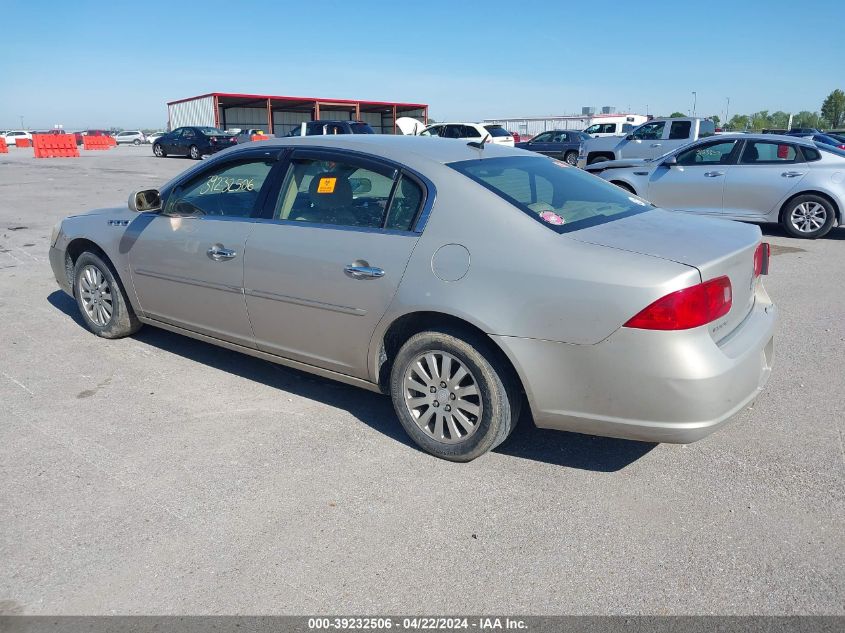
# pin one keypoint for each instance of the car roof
(763, 137)
(408, 150)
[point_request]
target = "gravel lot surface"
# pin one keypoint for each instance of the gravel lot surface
(157, 474)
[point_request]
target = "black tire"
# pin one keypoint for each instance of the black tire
(122, 320)
(624, 185)
(597, 159)
(807, 217)
(158, 150)
(136, 142)
(498, 396)
(571, 158)
(194, 152)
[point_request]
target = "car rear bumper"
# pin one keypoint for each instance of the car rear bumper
(648, 385)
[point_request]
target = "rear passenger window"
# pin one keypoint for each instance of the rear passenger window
(228, 190)
(680, 130)
(765, 152)
(345, 194)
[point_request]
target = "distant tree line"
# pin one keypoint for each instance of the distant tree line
(830, 117)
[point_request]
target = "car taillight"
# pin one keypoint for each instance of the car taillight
(233, 139)
(687, 308)
(841, 146)
(761, 259)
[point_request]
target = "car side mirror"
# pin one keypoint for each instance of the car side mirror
(630, 137)
(670, 162)
(145, 200)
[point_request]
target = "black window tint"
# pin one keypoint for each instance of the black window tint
(405, 204)
(452, 131)
(811, 154)
(706, 128)
(335, 192)
(497, 130)
(231, 189)
(432, 131)
(545, 137)
(314, 129)
(680, 130)
(561, 197)
(468, 131)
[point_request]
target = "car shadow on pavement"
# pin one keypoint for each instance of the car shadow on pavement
(571, 450)
(776, 230)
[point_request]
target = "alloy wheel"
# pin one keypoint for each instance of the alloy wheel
(194, 152)
(157, 150)
(808, 217)
(95, 292)
(442, 397)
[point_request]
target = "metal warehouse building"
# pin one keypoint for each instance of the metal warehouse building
(279, 115)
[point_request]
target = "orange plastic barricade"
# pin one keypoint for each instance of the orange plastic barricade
(55, 146)
(4, 149)
(96, 142)
(258, 137)
(22, 142)
(110, 141)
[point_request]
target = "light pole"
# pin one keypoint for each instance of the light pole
(21, 121)
(694, 100)
(727, 108)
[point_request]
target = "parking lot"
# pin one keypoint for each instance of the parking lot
(161, 475)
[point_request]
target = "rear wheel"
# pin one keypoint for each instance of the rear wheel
(158, 150)
(194, 152)
(571, 158)
(808, 216)
(452, 395)
(597, 159)
(101, 298)
(136, 142)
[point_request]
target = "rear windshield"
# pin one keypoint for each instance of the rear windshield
(497, 130)
(361, 128)
(561, 197)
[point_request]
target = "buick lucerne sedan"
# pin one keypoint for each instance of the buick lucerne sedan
(465, 280)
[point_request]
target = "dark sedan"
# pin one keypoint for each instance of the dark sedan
(194, 142)
(562, 144)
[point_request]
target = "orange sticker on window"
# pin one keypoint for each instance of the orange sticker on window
(326, 185)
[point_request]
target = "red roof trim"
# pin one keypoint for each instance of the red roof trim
(288, 98)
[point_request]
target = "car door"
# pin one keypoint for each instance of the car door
(644, 142)
(767, 172)
(189, 137)
(320, 273)
(170, 141)
(695, 183)
(541, 143)
(186, 262)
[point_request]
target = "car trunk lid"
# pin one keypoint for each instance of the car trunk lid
(714, 247)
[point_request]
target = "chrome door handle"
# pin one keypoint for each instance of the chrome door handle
(219, 253)
(713, 174)
(363, 272)
(657, 145)
(792, 174)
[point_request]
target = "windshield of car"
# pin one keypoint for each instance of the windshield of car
(211, 131)
(561, 197)
(361, 128)
(496, 130)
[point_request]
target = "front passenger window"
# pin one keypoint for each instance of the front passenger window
(231, 189)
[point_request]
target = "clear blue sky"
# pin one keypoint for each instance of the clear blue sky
(87, 64)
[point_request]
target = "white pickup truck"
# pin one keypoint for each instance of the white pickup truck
(649, 140)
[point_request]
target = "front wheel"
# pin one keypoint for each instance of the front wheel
(453, 396)
(571, 158)
(808, 217)
(101, 299)
(194, 152)
(597, 159)
(158, 150)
